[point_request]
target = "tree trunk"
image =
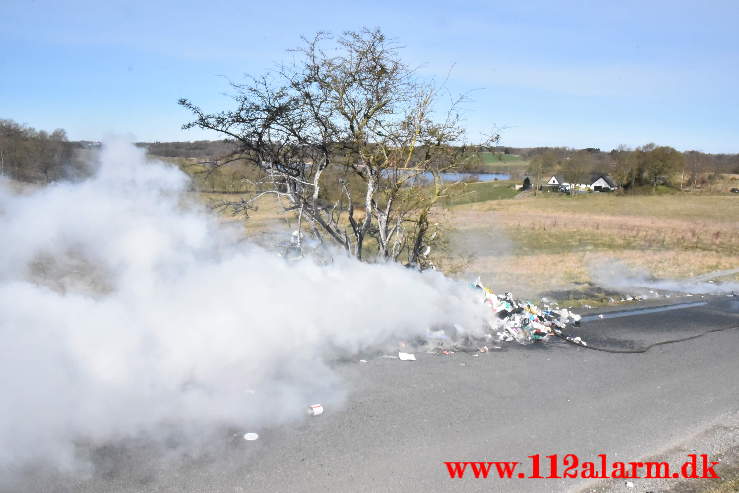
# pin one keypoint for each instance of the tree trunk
(418, 241)
(369, 198)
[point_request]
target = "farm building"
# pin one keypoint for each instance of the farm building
(598, 182)
(555, 181)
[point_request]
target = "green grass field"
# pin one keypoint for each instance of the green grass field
(484, 191)
(489, 162)
(495, 158)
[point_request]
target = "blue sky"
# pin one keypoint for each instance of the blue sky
(579, 74)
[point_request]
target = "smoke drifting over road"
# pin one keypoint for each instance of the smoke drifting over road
(623, 278)
(125, 311)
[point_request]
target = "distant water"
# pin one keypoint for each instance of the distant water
(452, 177)
(478, 176)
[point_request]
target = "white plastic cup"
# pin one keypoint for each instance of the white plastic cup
(315, 410)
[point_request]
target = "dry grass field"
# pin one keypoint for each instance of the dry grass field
(554, 242)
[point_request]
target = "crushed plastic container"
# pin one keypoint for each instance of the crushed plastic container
(315, 410)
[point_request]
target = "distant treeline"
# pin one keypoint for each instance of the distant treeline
(649, 165)
(207, 149)
(204, 149)
(31, 155)
(713, 163)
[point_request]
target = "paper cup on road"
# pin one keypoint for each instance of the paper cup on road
(315, 410)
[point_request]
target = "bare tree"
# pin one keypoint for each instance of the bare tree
(348, 137)
(624, 166)
(540, 165)
(51, 154)
(696, 165)
(577, 169)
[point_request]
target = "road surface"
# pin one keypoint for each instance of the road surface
(402, 420)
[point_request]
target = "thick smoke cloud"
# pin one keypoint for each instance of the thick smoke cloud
(125, 311)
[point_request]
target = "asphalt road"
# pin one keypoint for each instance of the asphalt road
(403, 419)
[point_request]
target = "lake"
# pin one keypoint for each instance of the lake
(479, 176)
(452, 177)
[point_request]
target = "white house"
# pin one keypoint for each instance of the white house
(601, 183)
(557, 181)
(598, 182)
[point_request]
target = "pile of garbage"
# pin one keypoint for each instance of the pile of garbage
(524, 322)
(509, 320)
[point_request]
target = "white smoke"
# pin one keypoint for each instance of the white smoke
(616, 275)
(126, 310)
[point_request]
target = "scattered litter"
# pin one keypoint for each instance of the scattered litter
(524, 322)
(362, 360)
(407, 357)
(315, 410)
(629, 484)
(577, 340)
(250, 437)
(600, 316)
